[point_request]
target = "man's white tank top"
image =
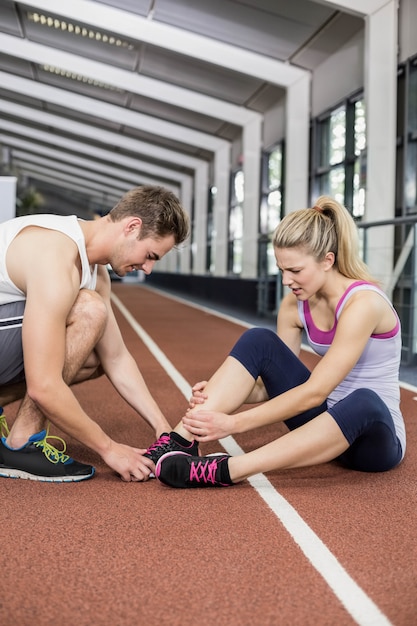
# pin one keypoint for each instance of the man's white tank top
(69, 225)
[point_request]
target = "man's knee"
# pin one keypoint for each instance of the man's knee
(88, 373)
(89, 307)
(99, 371)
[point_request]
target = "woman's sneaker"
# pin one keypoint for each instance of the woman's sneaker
(39, 460)
(170, 442)
(178, 469)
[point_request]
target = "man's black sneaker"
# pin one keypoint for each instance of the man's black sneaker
(170, 442)
(39, 460)
(178, 469)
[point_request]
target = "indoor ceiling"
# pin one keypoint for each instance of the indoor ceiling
(97, 96)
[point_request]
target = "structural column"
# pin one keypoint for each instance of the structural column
(297, 144)
(252, 153)
(381, 115)
(221, 182)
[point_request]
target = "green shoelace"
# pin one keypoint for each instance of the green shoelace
(4, 429)
(51, 452)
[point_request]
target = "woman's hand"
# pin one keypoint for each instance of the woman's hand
(208, 425)
(198, 395)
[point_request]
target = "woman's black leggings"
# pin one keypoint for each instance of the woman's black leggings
(362, 416)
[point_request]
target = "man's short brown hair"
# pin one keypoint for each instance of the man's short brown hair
(159, 209)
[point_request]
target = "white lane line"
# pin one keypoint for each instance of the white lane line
(353, 598)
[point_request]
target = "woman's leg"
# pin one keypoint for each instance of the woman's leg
(317, 441)
(368, 426)
(358, 430)
(258, 353)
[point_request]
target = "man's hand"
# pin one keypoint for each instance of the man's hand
(128, 462)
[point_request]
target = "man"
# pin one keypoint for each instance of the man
(55, 310)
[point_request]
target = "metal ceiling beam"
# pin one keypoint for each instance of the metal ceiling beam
(21, 148)
(111, 112)
(104, 194)
(106, 200)
(137, 28)
(50, 176)
(196, 193)
(126, 80)
(49, 165)
(201, 172)
(104, 137)
(54, 140)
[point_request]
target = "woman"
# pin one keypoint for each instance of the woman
(347, 408)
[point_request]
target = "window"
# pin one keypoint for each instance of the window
(338, 164)
(211, 233)
(359, 176)
(271, 208)
(331, 149)
(236, 223)
(410, 183)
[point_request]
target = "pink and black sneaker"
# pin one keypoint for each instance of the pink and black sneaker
(170, 442)
(179, 469)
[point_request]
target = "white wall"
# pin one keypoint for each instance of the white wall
(339, 76)
(274, 125)
(236, 153)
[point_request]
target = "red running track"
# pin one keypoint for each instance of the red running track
(319, 546)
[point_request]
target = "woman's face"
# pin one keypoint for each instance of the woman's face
(301, 272)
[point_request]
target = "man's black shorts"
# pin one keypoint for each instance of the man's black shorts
(11, 351)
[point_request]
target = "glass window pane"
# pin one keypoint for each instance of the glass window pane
(237, 256)
(412, 101)
(410, 192)
(324, 143)
(360, 127)
(270, 209)
(333, 184)
(238, 187)
(263, 215)
(337, 184)
(337, 136)
(271, 260)
(323, 185)
(358, 190)
(274, 209)
(332, 138)
(275, 168)
(236, 222)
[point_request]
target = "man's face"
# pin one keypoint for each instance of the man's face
(139, 254)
